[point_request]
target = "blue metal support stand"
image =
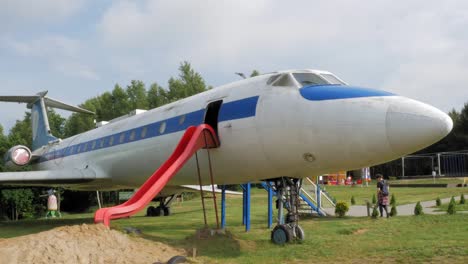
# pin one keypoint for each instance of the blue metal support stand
(246, 206)
(270, 206)
(223, 206)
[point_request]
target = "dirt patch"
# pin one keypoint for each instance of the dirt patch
(83, 244)
(360, 231)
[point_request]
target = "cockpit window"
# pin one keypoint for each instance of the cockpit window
(331, 78)
(308, 78)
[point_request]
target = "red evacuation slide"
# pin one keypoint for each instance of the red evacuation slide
(194, 138)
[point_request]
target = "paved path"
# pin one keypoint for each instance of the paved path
(406, 209)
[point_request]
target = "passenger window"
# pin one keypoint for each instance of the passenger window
(111, 141)
(132, 135)
(122, 137)
(143, 132)
(181, 120)
(94, 145)
(162, 127)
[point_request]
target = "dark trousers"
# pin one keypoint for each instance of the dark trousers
(381, 208)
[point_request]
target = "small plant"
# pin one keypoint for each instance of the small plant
(341, 208)
(374, 214)
(393, 200)
(374, 200)
(418, 210)
(452, 200)
(451, 207)
(353, 201)
(393, 211)
(438, 202)
(462, 199)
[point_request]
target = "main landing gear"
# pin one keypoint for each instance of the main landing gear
(287, 229)
(163, 209)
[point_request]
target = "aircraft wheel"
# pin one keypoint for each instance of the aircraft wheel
(167, 211)
(300, 235)
(281, 234)
(150, 211)
(158, 211)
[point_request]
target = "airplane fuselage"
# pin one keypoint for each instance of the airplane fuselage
(266, 131)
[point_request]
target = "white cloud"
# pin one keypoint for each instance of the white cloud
(62, 54)
(16, 13)
(47, 46)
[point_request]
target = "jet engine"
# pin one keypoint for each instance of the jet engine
(17, 157)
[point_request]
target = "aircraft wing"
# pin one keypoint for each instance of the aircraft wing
(207, 188)
(47, 177)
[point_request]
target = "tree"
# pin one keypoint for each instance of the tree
(18, 201)
(418, 209)
(157, 96)
(451, 207)
(188, 83)
(254, 73)
(137, 98)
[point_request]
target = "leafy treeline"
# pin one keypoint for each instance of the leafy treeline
(121, 101)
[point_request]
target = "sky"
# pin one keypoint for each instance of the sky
(78, 49)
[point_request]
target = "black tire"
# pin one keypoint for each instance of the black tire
(150, 211)
(158, 211)
(177, 259)
(167, 211)
(281, 234)
(300, 235)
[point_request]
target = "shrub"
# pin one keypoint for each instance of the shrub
(418, 210)
(462, 199)
(353, 201)
(393, 211)
(341, 208)
(374, 200)
(374, 214)
(451, 207)
(393, 200)
(438, 202)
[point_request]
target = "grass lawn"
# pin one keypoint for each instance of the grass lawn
(403, 195)
(410, 239)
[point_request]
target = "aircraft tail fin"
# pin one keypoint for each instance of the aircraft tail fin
(39, 121)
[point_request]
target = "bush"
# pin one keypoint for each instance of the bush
(375, 213)
(341, 208)
(393, 211)
(353, 201)
(451, 207)
(393, 200)
(374, 200)
(418, 210)
(438, 202)
(462, 199)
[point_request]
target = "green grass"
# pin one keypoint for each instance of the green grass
(430, 181)
(403, 195)
(409, 239)
(458, 207)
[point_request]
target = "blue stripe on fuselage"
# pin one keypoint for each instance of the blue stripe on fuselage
(243, 108)
(333, 92)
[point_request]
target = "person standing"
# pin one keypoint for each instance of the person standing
(52, 206)
(382, 194)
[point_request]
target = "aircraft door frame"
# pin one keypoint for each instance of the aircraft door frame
(211, 117)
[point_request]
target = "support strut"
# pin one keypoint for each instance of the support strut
(287, 228)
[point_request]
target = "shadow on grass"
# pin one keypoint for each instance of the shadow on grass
(219, 246)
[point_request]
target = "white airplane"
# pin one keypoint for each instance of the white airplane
(279, 127)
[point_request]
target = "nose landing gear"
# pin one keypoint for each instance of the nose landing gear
(288, 229)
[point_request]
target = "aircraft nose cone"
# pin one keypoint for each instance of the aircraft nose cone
(412, 125)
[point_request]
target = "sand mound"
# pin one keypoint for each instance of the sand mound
(83, 244)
